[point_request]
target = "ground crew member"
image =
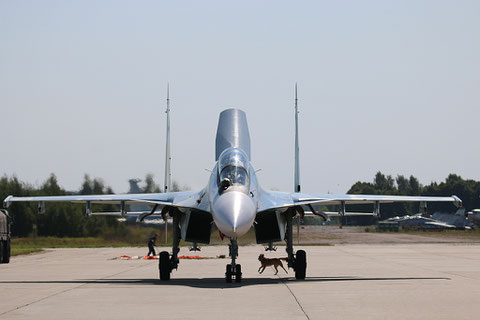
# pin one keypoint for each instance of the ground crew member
(151, 243)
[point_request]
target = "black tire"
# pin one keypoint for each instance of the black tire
(238, 273)
(2, 248)
(300, 264)
(6, 252)
(228, 273)
(164, 265)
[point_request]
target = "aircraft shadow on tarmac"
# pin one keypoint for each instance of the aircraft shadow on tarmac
(213, 283)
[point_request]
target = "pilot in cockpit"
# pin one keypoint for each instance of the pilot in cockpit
(232, 168)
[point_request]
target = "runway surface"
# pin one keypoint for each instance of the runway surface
(414, 281)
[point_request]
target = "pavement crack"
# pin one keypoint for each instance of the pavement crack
(62, 292)
(295, 297)
(39, 300)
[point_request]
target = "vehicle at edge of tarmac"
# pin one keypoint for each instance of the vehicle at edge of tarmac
(5, 222)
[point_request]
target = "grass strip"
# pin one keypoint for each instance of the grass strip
(20, 251)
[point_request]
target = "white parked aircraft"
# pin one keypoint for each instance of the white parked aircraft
(232, 200)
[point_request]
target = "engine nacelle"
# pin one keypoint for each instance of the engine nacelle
(196, 226)
(269, 226)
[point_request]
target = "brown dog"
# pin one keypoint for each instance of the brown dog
(274, 262)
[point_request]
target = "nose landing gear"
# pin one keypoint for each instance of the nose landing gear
(233, 270)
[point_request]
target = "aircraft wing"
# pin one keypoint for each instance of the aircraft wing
(275, 199)
(325, 199)
(186, 199)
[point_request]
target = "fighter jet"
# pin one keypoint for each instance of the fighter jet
(438, 221)
(233, 201)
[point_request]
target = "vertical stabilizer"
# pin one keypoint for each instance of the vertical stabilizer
(232, 132)
(168, 158)
(297, 150)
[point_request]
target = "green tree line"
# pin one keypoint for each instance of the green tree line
(62, 219)
(467, 190)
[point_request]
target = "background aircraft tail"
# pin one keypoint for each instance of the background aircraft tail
(232, 132)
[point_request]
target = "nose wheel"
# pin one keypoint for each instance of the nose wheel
(233, 270)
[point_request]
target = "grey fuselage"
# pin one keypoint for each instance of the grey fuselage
(234, 208)
(232, 195)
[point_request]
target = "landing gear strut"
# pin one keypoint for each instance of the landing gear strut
(298, 261)
(233, 270)
(166, 262)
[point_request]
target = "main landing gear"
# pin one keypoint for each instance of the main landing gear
(167, 263)
(233, 270)
(296, 261)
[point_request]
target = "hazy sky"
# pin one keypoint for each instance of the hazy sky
(383, 85)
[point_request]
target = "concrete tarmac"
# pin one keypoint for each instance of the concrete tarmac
(408, 281)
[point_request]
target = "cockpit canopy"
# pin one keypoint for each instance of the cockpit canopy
(232, 165)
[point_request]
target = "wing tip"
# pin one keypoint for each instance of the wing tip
(457, 201)
(7, 202)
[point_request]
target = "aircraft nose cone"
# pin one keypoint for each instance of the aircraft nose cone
(233, 213)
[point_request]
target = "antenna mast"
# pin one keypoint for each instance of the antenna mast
(168, 158)
(297, 150)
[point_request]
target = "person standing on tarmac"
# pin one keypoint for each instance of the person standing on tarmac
(151, 243)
